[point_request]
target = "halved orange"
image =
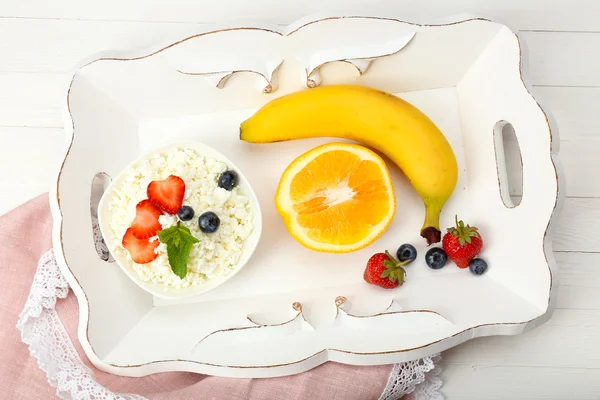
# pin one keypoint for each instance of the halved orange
(336, 198)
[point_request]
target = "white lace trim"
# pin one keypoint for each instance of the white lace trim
(418, 377)
(49, 342)
(430, 388)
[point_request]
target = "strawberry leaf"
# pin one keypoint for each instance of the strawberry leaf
(463, 233)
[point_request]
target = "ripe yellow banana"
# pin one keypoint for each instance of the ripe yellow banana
(375, 118)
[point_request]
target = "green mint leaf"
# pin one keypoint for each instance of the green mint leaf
(178, 258)
(185, 253)
(169, 235)
(175, 255)
(176, 235)
(179, 242)
(186, 235)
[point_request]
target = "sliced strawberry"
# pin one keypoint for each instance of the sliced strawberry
(146, 223)
(141, 250)
(167, 194)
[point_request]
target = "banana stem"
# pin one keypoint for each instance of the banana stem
(431, 228)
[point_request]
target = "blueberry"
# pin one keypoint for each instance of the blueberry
(407, 252)
(436, 258)
(478, 266)
(228, 180)
(185, 213)
(209, 222)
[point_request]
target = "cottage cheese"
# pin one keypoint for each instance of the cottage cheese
(216, 254)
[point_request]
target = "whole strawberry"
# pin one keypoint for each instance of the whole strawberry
(462, 243)
(385, 271)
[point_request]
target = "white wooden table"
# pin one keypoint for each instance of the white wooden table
(41, 40)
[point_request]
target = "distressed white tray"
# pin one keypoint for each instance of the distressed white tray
(291, 309)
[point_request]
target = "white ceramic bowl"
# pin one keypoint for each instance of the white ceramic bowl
(162, 290)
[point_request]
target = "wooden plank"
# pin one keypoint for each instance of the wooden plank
(31, 156)
(573, 108)
(57, 46)
(579, 159)
(578, 224)
(473, 382)
(579, 328)
(563, 58)
(569, 15)
(579, 280)
(32, 99)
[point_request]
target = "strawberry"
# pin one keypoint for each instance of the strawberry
(167, 194)
(145, 224)
(385, 271)
(462, 243)
(141, 250)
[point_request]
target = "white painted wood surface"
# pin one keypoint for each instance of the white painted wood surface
(560, 360)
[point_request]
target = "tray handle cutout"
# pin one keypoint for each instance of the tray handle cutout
(99, 185)
(393, 319)
(268, 49)
(267, 83)
(509, 164)
(360, 56)
(257, 332)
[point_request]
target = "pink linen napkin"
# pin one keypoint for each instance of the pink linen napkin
(25, 234)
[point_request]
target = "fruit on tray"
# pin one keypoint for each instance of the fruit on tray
(406, 252)
(185, 213)
(228, 180)
(141, 250)
(478, 266)
(209, 222)
(145, 224)
(462, 243)
(167, 194)
(436, 258)
(385, 271)
(337, 198)
(374, 118)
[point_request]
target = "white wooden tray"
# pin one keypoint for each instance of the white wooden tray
(274, 318)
